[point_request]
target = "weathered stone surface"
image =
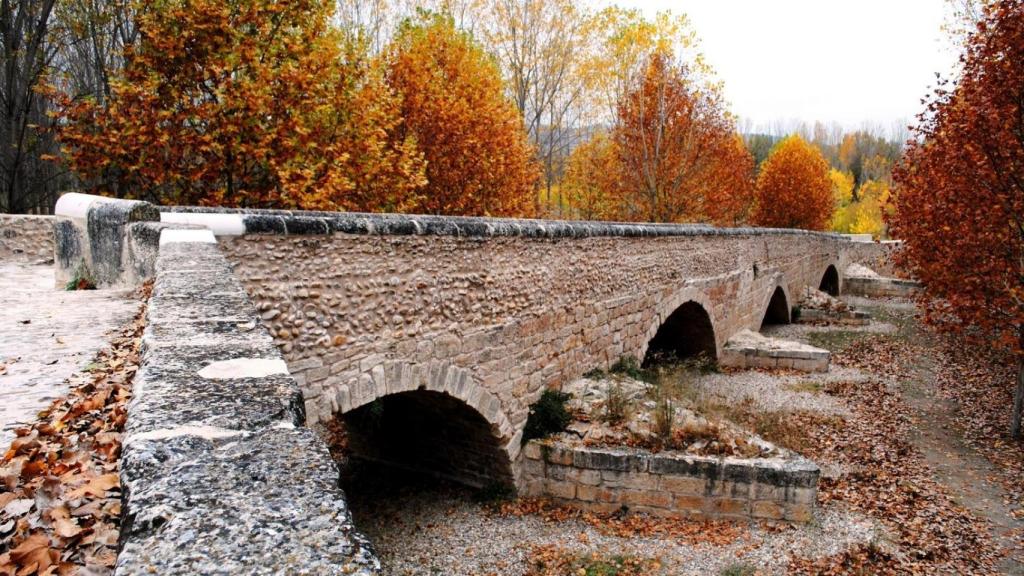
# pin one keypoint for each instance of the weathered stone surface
(748, 349)
(112, 242)
(263, 502)
(26, 238)
(219, 477)
(672, 484)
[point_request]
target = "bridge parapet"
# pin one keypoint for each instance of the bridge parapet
(219, 474)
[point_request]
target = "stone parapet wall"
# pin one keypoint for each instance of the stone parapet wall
(26, 238)
(218, 474)
(882, 287)
(510, 315)
(666, 484)
(107, 241)
(878, 256)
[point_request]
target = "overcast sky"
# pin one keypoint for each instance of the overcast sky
(830, 60)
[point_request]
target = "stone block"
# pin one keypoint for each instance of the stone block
(730, 507)
(799, 512)
(767, 510)
(560, 489)
(684, 485)
(652, 498)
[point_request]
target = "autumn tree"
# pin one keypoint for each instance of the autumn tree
(960, 193)
(454, 105)
(591, 183)
(793, 187)
(540, 46)
(679, 154)
(245, 103)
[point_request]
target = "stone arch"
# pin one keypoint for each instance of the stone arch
(684, 328)
(778, 310)
(434, 418)
(830, 281)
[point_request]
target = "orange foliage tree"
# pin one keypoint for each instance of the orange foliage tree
(453, 104)
(960, 193)
(680, 158)
(245, 103)
(591, 180)
(793, 188)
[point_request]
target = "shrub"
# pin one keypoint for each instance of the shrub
(548, 415)
(630, 366)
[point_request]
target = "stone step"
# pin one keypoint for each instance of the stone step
(749, 349)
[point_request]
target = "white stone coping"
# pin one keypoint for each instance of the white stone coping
(220, 224)
(171, 236)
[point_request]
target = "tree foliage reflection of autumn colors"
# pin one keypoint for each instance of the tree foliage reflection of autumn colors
(960, 195)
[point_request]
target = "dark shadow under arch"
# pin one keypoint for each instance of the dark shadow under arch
(778, 309)
(429, 432)
(830, 281)
(686, 333)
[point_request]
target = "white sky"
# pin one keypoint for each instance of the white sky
(868, 61)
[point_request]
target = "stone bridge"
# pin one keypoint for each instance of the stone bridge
(430, 336)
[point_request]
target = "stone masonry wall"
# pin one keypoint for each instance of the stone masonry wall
(879, 256)
(604, 480)
(25, 237)
(494, 320)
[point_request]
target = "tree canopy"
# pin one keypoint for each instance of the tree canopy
(960, 192)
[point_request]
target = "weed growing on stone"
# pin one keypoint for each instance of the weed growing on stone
(548, 416)
(82, 280)
(616, 407)
(664, 416)
(630, 366)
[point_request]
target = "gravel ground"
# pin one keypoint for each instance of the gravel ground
(439, 529)
(781, 391)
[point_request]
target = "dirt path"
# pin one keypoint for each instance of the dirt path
(958, 466)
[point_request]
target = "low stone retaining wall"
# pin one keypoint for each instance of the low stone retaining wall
(218, 473)
(667, 484)
(850, 317)
(881, 287)
(24, 237)
(752, 350)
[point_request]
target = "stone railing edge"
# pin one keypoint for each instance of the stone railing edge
(219, 474)
(241, 221)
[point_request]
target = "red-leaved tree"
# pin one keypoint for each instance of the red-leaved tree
(960, 193)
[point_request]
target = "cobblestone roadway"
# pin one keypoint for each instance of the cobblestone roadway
(46, 335)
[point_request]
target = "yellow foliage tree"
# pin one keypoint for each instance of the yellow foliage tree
(591, 182)
(793, 187)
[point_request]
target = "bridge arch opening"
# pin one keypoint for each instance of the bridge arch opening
(686, 333)
(830, 281)
(429, 433)
(778, 309)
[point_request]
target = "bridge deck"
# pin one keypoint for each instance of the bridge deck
(46, 335)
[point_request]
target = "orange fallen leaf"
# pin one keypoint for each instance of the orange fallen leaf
(98, 486)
